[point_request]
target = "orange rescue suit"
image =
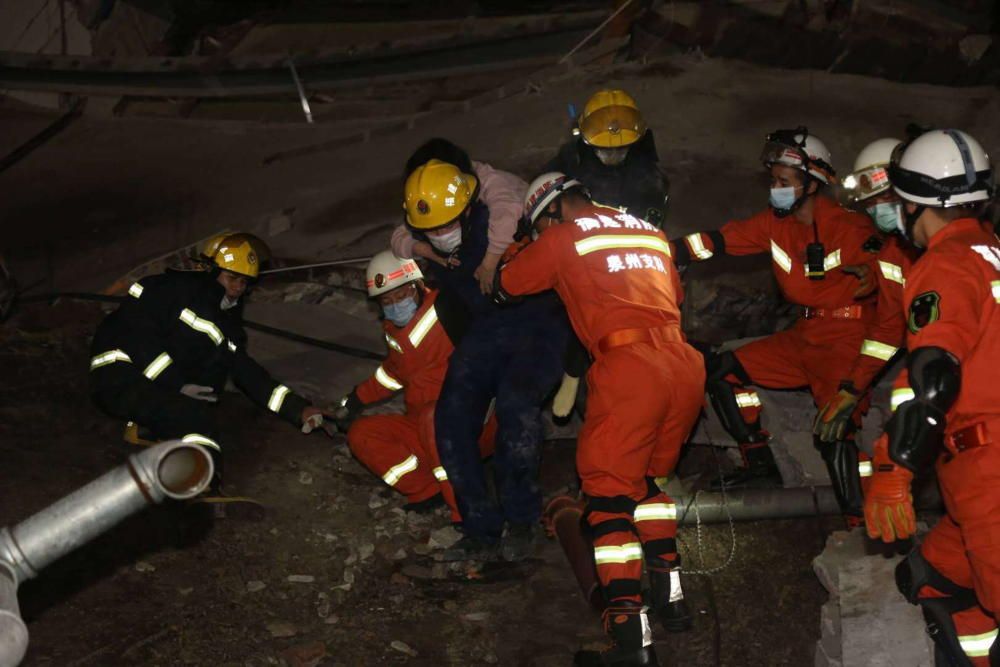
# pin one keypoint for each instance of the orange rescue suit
(620, 287)
(401, 449)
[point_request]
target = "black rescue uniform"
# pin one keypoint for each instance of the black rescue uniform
(171, 331)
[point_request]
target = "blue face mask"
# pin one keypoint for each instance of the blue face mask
(888, 217)
(401, 312)
(782, 199)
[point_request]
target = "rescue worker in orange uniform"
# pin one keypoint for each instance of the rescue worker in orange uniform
(947, 404)
(614, 274)
(809, 237)
(401, 448)
(868, 186)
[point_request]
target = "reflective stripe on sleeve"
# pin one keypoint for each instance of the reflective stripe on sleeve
(781, 257)
(157, 366)
(873, 348)
(623, 554)
(697, 246)
(748, 399)
(202, 325)
(865, 468)
(977, 646)
(135, 290)
(199, 439)
(995, 287)
(892, 272)
(655, 512)
(277, 398)
(423, 327)
(387, 380)
(109, 357)
(610, 241)
(899, 396)
(440, 475)
(396, 472)
(231, 345)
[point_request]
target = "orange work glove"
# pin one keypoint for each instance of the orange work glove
(889, 503)
(865, 276)
(833, 419)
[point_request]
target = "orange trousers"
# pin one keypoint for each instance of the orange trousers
(401, 449)
(965, 545)
(643, 400)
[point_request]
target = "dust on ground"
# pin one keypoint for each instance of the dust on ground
(336, 573)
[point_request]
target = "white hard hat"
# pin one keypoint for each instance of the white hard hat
(871, 170)
(386, 272)
(800, 150)
(543, 190)
(942, 168)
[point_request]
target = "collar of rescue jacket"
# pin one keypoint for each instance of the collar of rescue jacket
(954, 228)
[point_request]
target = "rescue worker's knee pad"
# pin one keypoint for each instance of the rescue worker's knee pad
(912, 574)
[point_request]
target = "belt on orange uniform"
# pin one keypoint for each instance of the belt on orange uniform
(855, 312)
(630, 336)
(970, 437)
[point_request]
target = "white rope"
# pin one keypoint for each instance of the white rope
(594, 32)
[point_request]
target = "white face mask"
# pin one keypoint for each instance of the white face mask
(228, 303)
(611, 157)
(448, 241)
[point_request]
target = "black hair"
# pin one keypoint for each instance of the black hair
(439, 149)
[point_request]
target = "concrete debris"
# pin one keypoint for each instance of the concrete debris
(304, 655)
(400, 554)
(143, 566)
(366, 550)
(280, 222)
(301, 578)
(185, 591)
(280, 629)
(255, 585)
(377, 500)
(442, 538)
(305, 478)
(323, 605)
(972, 47)
(332, 619)
(403, 647)
(476, 616)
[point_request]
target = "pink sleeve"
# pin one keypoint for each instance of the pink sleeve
(504, 193)
(402, 242)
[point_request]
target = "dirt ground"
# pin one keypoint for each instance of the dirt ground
(173, 587)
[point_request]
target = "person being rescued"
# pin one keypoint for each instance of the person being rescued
(162, 359)
(401, 449)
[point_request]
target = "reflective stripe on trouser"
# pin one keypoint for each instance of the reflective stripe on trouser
(388, 445)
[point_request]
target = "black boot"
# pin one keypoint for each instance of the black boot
(632, 645)
(667, 596)
(759, 471)
(426, 506)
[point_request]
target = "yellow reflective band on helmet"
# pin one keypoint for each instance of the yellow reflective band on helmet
(387, 380)
(391, 342)
(199, 439)
(231, 345)
(865, 468)
(423, 327)
(157, 366)
(977, 646)
(622, 554)
(110, 357)
(610, 241)
(781, 257)
(440, 474)
(396, 472)
(748, 400)
(873, 348)
(202, 325)
(135, 290)
(900, 396)
(893, 272)
(995, 287)
(655, 512)
(277, 398)
(697, 246)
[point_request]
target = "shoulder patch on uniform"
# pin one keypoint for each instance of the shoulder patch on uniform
(924, 309)
(873, 244)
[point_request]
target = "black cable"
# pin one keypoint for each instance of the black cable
(256, 326)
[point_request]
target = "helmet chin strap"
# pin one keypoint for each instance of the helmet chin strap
(796, 205)
(910, 221)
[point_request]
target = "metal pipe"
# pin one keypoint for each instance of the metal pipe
(13, 632)
(335, 262)
(756, 504)
(173, 469)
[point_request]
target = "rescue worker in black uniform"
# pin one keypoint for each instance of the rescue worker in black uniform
(162, 359)
(613, 154)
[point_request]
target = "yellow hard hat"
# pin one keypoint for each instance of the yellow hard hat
(613, 127)
(239, 253)
(210, 246)
(608, 98)
(436, 193)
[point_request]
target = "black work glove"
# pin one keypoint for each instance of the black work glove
(347, 411)
(916, 431)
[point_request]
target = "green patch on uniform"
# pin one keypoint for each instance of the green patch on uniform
(924, 309)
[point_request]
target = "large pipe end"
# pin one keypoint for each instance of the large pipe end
(13, 632)
(173, 469)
